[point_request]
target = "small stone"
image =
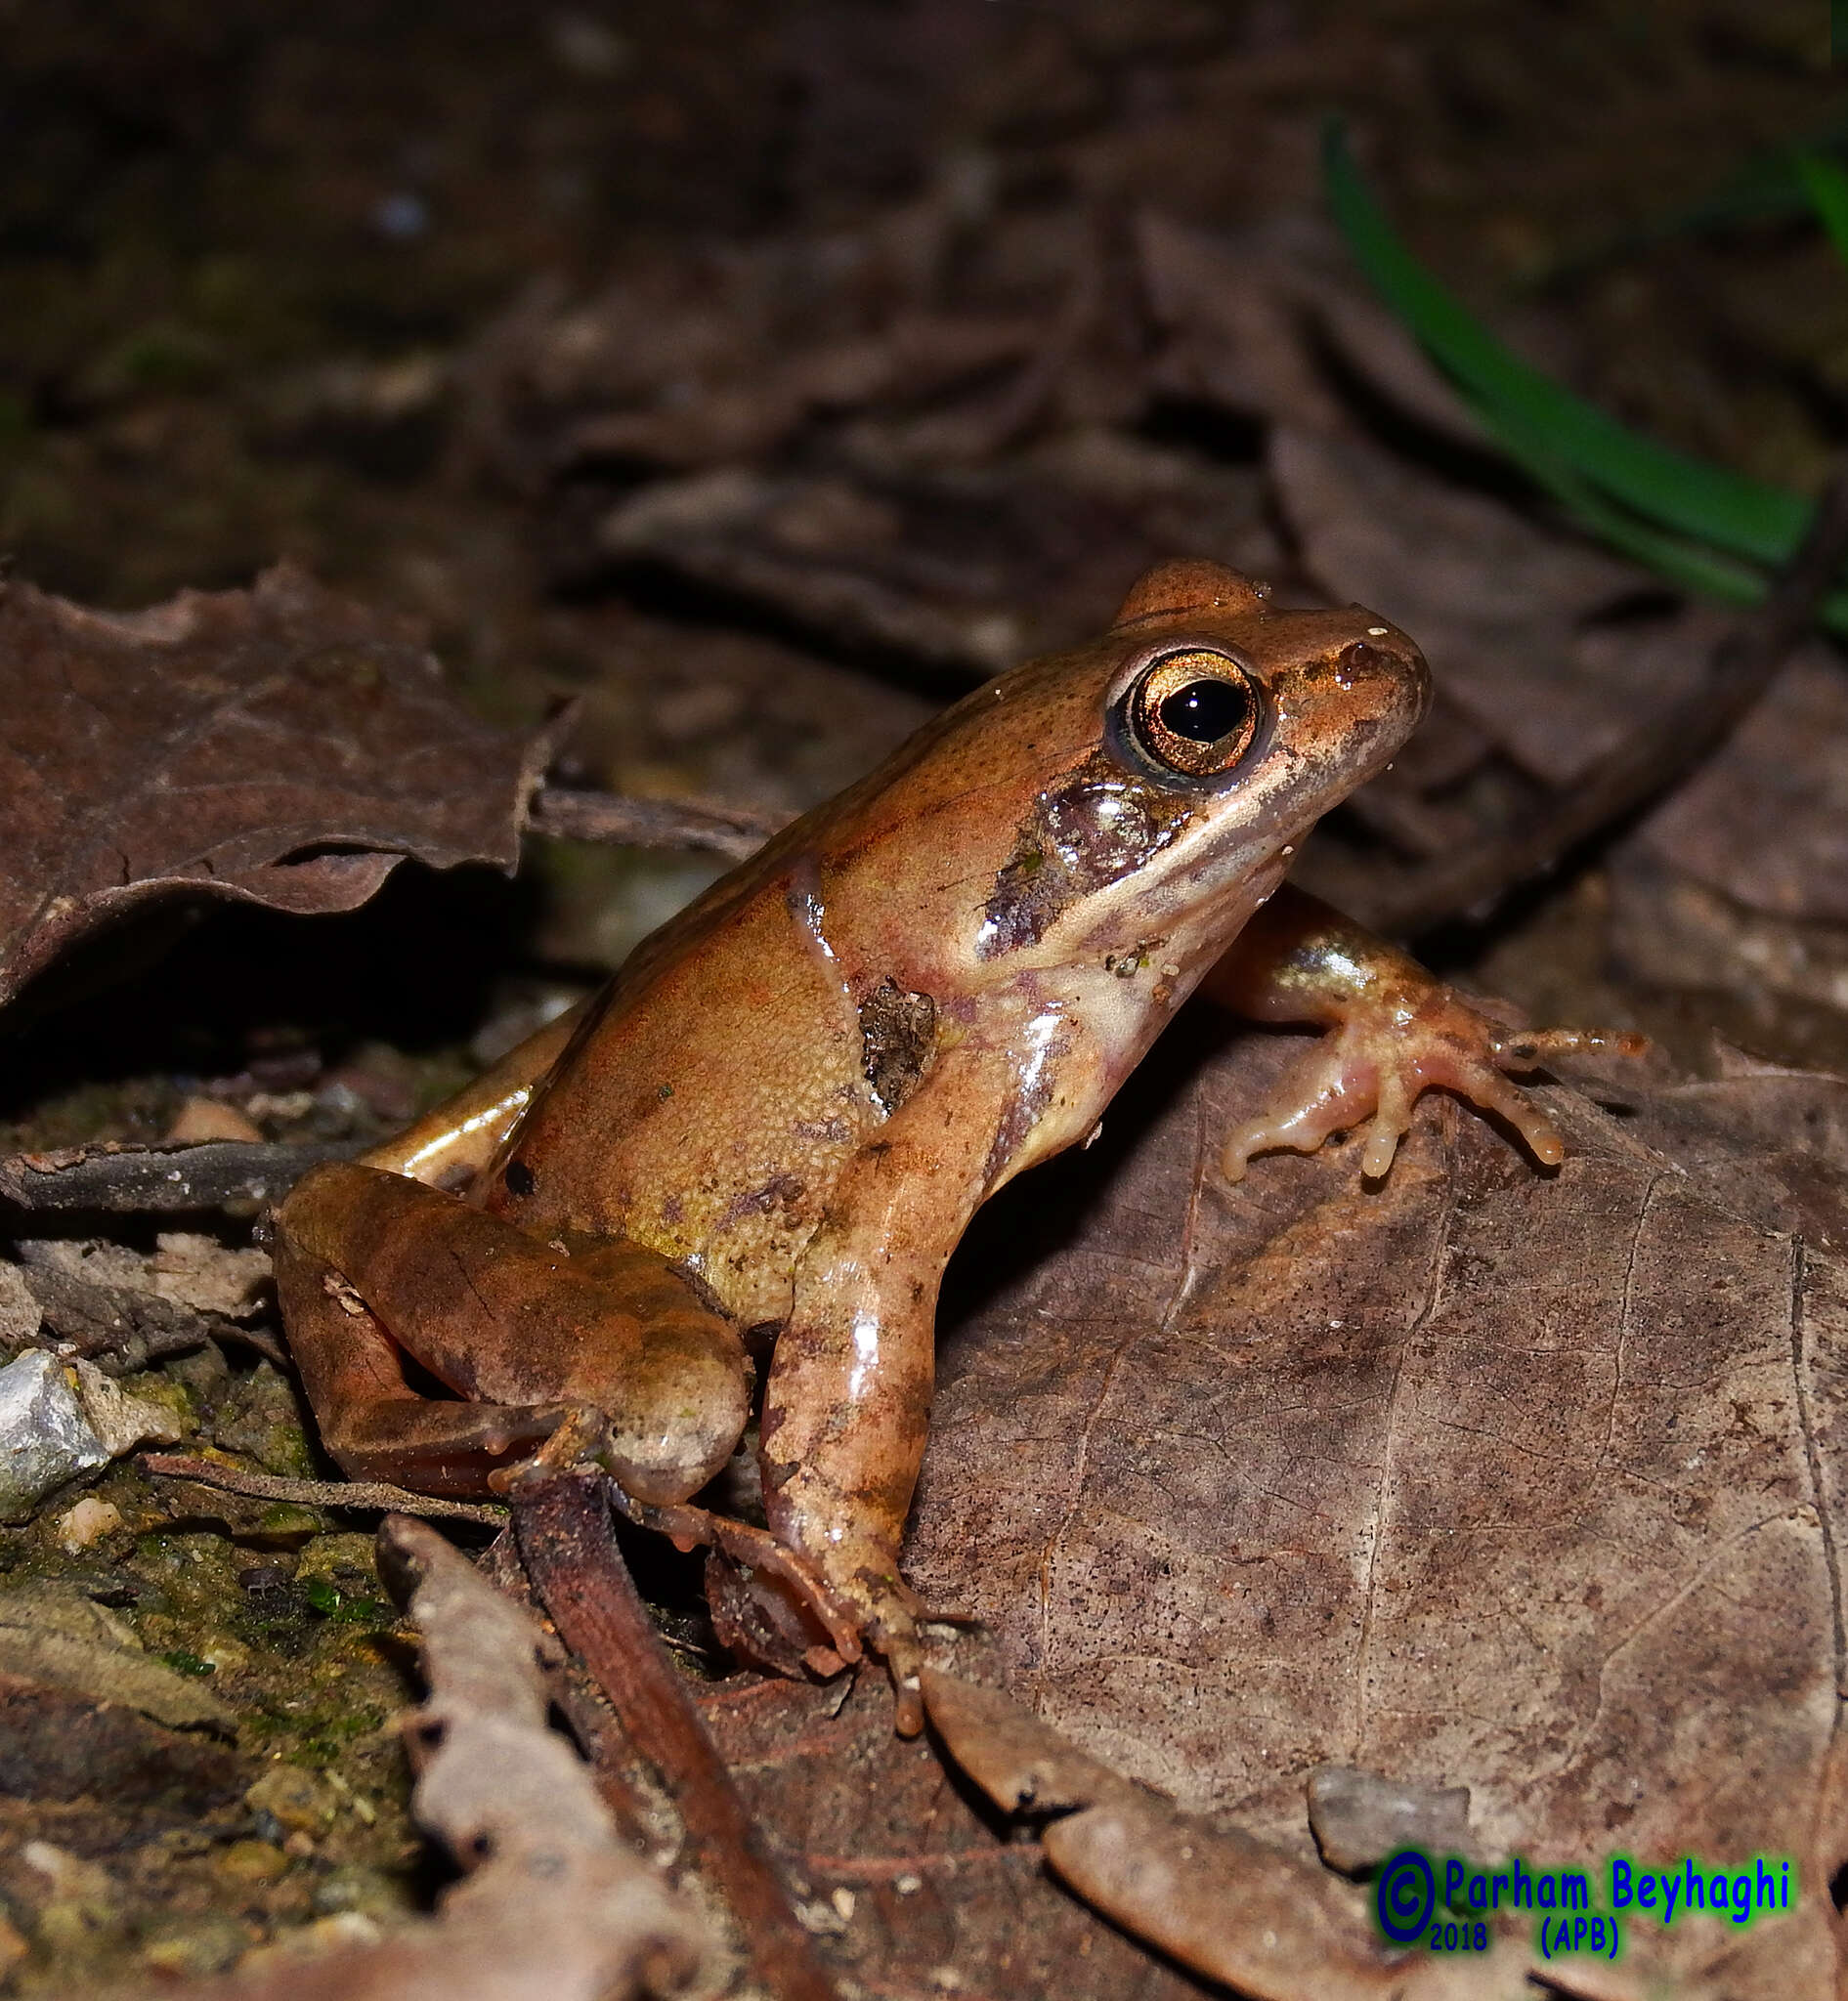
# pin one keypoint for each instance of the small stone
(88, 1522)
(297, 1800)
(20, 1313)
(205, 1119)
(344, 1928)
(269, 1963)
(329, 1555)
(121, 1419)
(46, 1438)
(252, 1862)
(72, 1879)
(259, 1417)
(224, 1655)
(354, 1888)
(1360, 1817)
(206, 1946)
(362, 1806)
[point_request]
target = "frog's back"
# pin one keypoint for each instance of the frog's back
(706, 1108)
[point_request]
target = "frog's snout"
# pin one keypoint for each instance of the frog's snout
(1383, 684)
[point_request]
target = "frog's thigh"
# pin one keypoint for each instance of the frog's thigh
(370, 1420)
(370, 1264)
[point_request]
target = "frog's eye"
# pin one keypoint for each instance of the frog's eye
(1194, 713)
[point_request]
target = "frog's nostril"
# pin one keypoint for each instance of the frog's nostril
(1357, 662)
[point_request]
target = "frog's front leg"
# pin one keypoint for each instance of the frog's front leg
(848, 1405)
(1395, 1031)
(372, 1267)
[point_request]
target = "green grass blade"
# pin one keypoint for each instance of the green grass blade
(1826, 183)
(1692, 565)
(1539, 420)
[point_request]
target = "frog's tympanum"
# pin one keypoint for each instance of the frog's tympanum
(768, 1134)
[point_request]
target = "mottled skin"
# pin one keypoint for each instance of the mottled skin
(781, 1115)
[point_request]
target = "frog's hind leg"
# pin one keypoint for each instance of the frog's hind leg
(371, 1420)
(447, 1147)
(374, 1267)
(812, 1604)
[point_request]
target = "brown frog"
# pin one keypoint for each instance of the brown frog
(770, 1131)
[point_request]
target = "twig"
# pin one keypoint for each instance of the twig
(362, 1493)
(569, 1548)
(1645, 763)
(153, 1181)
(733, 832)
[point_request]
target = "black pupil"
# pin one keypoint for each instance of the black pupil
(1203, 712)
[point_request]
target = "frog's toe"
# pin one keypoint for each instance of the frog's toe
(1391, 1121)
(1328, 1089)
(1491, 1091)
(898, 1629)
(1526, 1048)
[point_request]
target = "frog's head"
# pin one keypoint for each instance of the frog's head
(1146, 789)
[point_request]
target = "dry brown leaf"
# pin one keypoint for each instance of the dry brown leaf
(918, 1891)
(696, 360)
(1526, 1483)
(1239, 1910)
(57, 1745)
(974, 568)
(1482, 1478)
(1234, 309)
(1766, 822)
(50, 1633)
(277, 744)
(1505, 611)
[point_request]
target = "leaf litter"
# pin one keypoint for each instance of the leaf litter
(278, 744)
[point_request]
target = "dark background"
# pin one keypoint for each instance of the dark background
(257, 264)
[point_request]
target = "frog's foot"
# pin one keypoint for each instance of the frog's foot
(1377, 1062)
(757, 1551)
(895, 1623)
(441, 1448)
(582, 1441)
(758, 1618)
